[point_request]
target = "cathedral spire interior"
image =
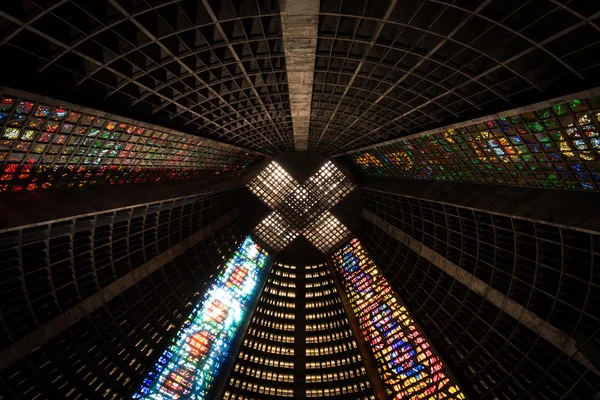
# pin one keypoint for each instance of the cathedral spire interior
(277, 199)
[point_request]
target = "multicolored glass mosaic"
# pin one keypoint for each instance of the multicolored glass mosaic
(554, 146)
(44, 145)
(190, 365)
(407, 364)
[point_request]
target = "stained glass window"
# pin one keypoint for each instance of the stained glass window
(190, 365)
(408, 365)
(47, 146)
(550, 147)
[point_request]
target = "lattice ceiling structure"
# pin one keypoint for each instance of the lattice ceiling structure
(221, 70)
(468, 133)
(301, 208)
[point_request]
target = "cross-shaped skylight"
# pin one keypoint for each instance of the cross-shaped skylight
(301, 208)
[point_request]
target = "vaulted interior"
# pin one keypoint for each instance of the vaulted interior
(236, 199)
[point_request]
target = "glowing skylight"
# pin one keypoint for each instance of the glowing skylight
(275, 231)
(301, 207)
(329, 184)
(326, 232)
(272, 185)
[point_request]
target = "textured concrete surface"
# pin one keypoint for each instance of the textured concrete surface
(37, 338)
(299, 20)
(553, 335)
(559, 207)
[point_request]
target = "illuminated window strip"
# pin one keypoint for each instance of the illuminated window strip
(45, 145)
(551, 147)
(189, 366)
(408, 365)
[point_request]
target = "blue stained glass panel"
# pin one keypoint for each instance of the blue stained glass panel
(190, 365)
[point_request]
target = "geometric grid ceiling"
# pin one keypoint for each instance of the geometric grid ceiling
(382, 69)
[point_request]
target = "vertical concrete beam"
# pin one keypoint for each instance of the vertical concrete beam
(299, 21)
(544, 329)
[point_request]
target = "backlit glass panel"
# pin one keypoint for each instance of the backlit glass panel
(275, 231)
(327, 232)
(407, 363)
(190, 365)
(273, 184)
(301, 208)
(329, 184)
(47, 145)
(554, 146)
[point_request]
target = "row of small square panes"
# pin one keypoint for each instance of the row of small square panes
(260, 388)
(268, 347)
(335, 376)
(559, 115)
(55, 119)
(338, 391)
(29, 133)
(310, 292)
(49, 155)
(283, 272)
(145, 148)
(344, 334)
(507, 141)
(277, 303)
(264, 373)
(335, 349)
(189, 147)
(338, 319)
(281, 392)
(281, 282)
(274, 313)
(327, 326)
(286, 266)
(325, 314)
(347, 359)
(317, 275)
(568, 128)
(280, 292)
(82, 176)
(63, 144)
(259, 332)
(319, 283)
(262, 360)
(314, 304)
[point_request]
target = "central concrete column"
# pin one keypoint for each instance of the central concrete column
(299, 21)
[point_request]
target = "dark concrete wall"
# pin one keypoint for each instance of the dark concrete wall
(576, 209)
